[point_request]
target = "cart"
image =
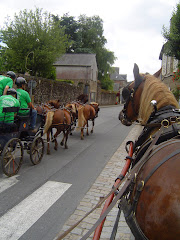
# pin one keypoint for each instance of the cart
(17, 137)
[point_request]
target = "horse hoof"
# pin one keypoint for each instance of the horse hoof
(70, 133)
(55, 148)
(66, 147)
(91, 131)
(61, 144)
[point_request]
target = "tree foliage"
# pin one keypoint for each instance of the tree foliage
(33, 42)
(172, 34)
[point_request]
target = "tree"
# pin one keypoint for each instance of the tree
(172, 34)
(33, 42)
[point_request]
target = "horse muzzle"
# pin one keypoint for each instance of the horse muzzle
(124, 120)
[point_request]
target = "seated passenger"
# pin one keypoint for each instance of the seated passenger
(6, 82)
(8, 100)
(25, 102)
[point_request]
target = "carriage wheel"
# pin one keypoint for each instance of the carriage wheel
(12, 157)
(37, 150)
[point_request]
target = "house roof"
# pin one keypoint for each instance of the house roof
(119, 77)
(74, 59)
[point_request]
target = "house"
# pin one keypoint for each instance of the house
(169, 65)
(80, 68)
(120, 81)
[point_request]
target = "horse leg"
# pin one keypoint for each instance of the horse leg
(82, 133)
(66, 138)
(70, 132)
(92, 126)
(48, 140)
(87, 133)
(51, 134)
(55, 139)
(62, 142)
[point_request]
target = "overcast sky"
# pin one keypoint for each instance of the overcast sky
(133, 28)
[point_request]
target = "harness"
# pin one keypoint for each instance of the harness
(130, 209)
(128, 95)
(168, 120)
(167, 116)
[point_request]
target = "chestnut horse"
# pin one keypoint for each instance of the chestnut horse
(61, 120)
(85, 113)
(152, 207)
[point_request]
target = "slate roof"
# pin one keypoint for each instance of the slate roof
(72, 59)
(119, 77)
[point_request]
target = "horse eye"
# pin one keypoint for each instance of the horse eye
(126, 93)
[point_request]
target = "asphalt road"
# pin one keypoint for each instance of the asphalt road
(36, 203)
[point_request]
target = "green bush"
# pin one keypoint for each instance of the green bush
(65, 81)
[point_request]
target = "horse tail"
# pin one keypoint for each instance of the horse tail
(49, 119)
(81, 118)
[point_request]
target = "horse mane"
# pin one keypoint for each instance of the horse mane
(154, 89)
(49, 119)
(94, 103)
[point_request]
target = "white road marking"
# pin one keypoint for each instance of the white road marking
(8, 182)
(19, 219)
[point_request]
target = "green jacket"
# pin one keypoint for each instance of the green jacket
(5, 81)
(24, 99)
(7, 101)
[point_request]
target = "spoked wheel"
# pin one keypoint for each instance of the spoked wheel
(37, 150)
(12, 157)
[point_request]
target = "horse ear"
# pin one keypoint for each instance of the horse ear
(138, 78)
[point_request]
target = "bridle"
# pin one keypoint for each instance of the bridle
(128, 95)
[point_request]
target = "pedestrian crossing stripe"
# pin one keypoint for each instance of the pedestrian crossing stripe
(8, 182)
(19, 219)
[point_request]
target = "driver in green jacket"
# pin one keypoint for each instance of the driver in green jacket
(25, 102)
(6, 82)
(8, 100)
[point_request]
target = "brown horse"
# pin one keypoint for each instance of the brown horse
(152, 208)
(85, 113)
(61, 120)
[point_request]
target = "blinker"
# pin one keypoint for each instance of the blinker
(126, 93)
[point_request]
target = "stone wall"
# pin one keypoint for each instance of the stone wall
(47, 89)
(105, 97)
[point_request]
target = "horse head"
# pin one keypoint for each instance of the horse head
(131, 94)
(73, 109)
(55, 103)
(139, 94)
(95, 105)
